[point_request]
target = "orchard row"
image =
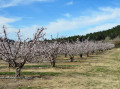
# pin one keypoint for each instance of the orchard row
(20, 52)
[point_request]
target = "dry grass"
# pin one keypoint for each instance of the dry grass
(95, 72)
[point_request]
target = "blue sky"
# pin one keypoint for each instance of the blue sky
(63, 17)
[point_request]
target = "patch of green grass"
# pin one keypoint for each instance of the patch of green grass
(116, 59)
(48, 66)
(35, 66)
(44, 66)
(41, 73)
(66, 65)
(7, 73)
(99, 69)
(115, 54)
(3, 66)
(87, 74)
(105, 70)
(82, 74)
(34, 88)
(31, 66)
(96, 71)
(31, 73)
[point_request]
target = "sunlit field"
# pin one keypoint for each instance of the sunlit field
(59, 44)
(100, 71)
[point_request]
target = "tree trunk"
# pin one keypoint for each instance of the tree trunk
(17, 72)
(18, 67)
(93, 52)
(53, 63)
(65, 55)
(81, 56)
(71, 59)
(87, 54)
(9, 69)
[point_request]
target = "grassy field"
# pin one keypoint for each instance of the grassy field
(95, 72)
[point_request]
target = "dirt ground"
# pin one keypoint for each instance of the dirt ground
(95, 72)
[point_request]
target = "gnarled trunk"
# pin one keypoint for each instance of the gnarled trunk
(87, 54)
(65, 55)
(53, 62)
(18, 67)
(71, 58)
(93, 52)
(81, 56)
(17, 72)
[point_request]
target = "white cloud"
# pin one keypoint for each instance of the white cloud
(67, 15)
(101, 27)
(104, 16)
(69, 3)
(5, 21)
(9, 3)
(26, 32)
(103, 19)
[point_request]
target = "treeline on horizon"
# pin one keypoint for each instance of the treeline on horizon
(96, 36)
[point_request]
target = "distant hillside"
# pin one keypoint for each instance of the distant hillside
(97, 36)
(1, 40)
